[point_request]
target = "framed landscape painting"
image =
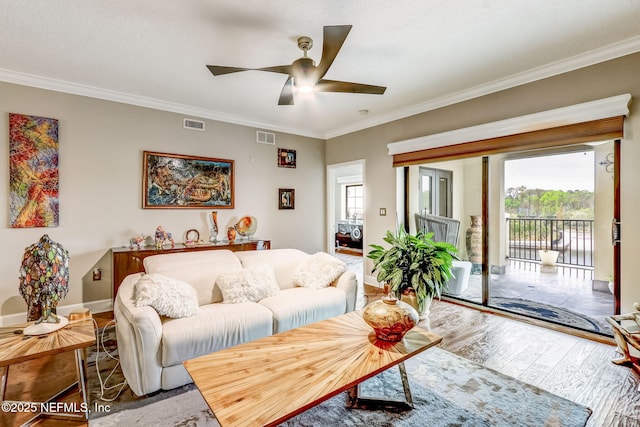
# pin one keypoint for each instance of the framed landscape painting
(180, 181)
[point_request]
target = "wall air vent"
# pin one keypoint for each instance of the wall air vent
(193, 124)
(265, 137)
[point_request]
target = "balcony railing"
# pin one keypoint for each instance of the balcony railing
(572, 238)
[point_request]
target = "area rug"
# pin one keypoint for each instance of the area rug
(447, 391)
(551, 313)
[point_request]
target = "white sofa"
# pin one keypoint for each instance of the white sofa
(152, 347)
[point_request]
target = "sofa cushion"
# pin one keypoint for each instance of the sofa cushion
(248, 285)
(283, 261)
(200, 269)
(318, 271)
(300, 306)
(168, 296)
(215, 327)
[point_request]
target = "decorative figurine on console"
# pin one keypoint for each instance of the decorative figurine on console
(191, 237)
(136, 241)
(231, 234)
(162, 236)
(246, 227)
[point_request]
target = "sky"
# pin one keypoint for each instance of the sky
(572, 171)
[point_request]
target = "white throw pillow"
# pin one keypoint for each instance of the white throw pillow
(318, 271)
(169, 297)
(250, 284)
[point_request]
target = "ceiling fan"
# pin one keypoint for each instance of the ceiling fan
(303, 72)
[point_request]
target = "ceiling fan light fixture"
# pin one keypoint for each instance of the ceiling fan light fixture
(303, 75)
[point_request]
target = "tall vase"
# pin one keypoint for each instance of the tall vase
(214, 227)
(231, 234)
(390, 318)
(474, 244)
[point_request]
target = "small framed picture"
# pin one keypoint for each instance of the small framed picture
(286, 198)
(286, 158)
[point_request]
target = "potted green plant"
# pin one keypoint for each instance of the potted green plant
(414, 264)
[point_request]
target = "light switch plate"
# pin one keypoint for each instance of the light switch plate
(383, 211)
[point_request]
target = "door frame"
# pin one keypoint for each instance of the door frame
(331, 198)
(617, 250)
(615, 232)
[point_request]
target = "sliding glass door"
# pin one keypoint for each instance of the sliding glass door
(557, 206)
(533, 230)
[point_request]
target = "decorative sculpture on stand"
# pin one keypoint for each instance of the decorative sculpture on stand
(247, 227)
(192, 237)
(162, 236)
(44, 281)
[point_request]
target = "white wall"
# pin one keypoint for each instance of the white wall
(100, 151)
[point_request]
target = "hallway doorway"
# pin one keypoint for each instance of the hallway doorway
(346, 231)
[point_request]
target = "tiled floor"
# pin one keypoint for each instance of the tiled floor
(568, 288)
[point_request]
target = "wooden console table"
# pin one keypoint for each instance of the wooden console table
(128, 261)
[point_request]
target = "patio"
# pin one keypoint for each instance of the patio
(568, 288)
(562, 286)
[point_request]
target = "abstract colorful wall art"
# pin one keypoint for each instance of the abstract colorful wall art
(33, 171)
(181, 181)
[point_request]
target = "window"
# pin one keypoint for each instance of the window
(354, 202)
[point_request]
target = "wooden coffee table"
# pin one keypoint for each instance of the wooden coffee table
(267, 381)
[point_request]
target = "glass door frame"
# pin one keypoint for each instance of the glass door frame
(615, 232)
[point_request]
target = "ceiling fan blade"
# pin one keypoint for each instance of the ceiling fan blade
(336, 86)
(282, 69)
(286, 95)
(218, 70)
(334, 37)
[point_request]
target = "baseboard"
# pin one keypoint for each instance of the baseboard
(99, 306)
(371, 280)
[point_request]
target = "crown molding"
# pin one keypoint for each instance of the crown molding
(593, 57)
(31, 80)
(594, 110)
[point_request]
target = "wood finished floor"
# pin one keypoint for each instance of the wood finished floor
(572, 367)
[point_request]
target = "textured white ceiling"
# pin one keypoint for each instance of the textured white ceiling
(428, 53)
